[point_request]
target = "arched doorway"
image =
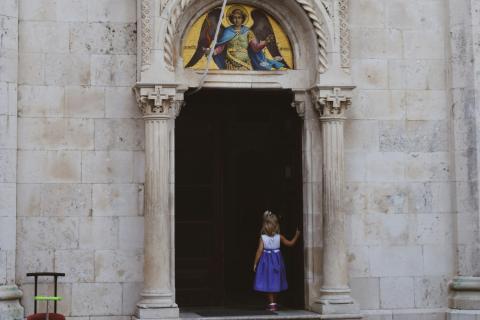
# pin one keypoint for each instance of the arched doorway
(321, 90)
(238, 153)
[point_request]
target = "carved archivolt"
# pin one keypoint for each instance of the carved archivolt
(319, 32)
(305, 4)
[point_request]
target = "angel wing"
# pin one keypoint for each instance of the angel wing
(207, 33)
(263, 29)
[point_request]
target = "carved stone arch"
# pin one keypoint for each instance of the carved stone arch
(175, 11)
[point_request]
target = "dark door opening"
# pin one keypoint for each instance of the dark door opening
(237, 154)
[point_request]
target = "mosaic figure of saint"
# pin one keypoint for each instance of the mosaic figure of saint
(238, 46)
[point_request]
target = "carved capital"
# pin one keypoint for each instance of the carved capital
(159, 102)
(331, 103)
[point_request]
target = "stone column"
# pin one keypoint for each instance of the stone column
(159, 107)
(335, 293)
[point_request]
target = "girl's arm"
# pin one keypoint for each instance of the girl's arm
(258, 254)
(290, 243)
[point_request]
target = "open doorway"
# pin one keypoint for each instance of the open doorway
(237, 154)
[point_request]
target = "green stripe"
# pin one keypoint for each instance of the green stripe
(43, 298)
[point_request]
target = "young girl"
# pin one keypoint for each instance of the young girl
(268, 266)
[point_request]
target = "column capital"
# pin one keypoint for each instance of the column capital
(331, 102)
(159, 101)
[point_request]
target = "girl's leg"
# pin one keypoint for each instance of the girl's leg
(271, 297)
(274, 298)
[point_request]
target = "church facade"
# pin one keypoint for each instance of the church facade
(142, 176)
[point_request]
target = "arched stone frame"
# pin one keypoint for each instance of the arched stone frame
(325, 90)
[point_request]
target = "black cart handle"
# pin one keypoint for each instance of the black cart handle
(45, 274)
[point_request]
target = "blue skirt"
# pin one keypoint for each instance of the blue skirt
(270, 274)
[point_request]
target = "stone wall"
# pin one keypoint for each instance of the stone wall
(80, 154)
(398, 161)
(411, 163)
(8, 137)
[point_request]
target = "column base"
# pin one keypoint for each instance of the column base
(337, 304)
(157, 313)
(157, 304)
(10, 308)
(465, 293)
(453, 314)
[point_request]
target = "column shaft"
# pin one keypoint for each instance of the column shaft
(157, 213)
(335, 274)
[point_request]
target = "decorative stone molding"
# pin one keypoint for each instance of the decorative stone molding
(159, 101)
(305, 4)
(147, 30)
(328, 7)
(163, 3)
(465, 293)
(331, 103)
(319, 32)
(10, 308)
(299, 107)
(298, 102)
(344, 33)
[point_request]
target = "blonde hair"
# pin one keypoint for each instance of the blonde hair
(270, 225)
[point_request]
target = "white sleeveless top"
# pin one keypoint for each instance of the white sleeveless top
(271, 243)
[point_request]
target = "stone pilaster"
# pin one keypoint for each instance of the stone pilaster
(464, 26)
(159, 106)
(10, 308)
(334, 296)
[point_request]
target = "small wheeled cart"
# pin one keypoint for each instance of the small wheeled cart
(54, 298)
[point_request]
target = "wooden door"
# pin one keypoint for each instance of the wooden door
(238, 153)
(198, 202)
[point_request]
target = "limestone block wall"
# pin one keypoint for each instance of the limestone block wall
(80, 155)
(398, 163)
(8, 137)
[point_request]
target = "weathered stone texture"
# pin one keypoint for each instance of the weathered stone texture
(107, 167)
(397, 293)
(119, 134)
(99, 233)
(103, 38)
(9, 35)
(119, 266)
(84, 102)
(96, 299)
(117, 200)
(113, 70)
(77, 165)
(398, 164)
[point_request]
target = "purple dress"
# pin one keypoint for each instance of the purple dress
(270, 274)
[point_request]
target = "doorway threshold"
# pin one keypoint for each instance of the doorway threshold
(243, 313)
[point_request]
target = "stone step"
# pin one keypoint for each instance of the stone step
(215, 313)
(225, 313)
